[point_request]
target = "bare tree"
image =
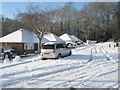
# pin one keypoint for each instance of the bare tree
(65, 17)
(36, 20)
(103, 17)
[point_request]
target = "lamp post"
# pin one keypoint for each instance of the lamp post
(78, 28)
(89, 32)
(88, 35)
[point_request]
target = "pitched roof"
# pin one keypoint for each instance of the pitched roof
(52, 37)
(75, 38)
(66, 37)
(22, 36)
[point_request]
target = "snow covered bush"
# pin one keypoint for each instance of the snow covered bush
(17, 59)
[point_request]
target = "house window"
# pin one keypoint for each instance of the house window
(29, 46)
(35, 46)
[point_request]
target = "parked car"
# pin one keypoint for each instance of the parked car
(55, 50)
(70, 45)
(7, 50)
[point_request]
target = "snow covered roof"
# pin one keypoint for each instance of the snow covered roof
(75, 38)
(52, 37)
(66, 37)
(22, 36)
(71, 38)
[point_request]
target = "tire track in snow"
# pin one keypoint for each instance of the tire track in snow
(101, 52)
(116, 85)
(35, 69)
(103, 82)
(80, 77)
(59, 74)
(15, 64)
(20, 71)
(61, 70)
(104, 53)
(17, 80)
(68, 81)
(87, 82)
(95, 52)
(71, 74)
(111, 71)
(93, 75)
(92, 53)
(21, 63)
(83, 77)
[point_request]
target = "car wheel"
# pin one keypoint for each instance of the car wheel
(44, 58)
(59, 56)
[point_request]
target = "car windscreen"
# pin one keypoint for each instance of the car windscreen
(48, 47)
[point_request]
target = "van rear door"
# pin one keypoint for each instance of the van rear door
(48, 49)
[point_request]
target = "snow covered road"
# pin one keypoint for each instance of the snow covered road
(94, 66)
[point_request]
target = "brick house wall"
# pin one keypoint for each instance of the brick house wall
(19, 47)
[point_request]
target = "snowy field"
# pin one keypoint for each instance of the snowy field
(94, 66)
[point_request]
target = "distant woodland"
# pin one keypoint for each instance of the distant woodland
(96, 21)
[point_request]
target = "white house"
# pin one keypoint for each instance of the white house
(66, 37)
(76, 39)
(52, 37)
(22, 41)
(70, 40)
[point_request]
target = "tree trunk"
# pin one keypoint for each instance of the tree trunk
(69, 26)
(39, 46)
(78, 31)
(61, 26)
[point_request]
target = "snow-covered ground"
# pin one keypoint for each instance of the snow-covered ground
(94, 66)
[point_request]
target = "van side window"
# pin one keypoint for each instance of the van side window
(48, 46)
(59, 46)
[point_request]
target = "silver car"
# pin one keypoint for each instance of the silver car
(55, 50)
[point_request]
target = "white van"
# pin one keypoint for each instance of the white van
(55, 50)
